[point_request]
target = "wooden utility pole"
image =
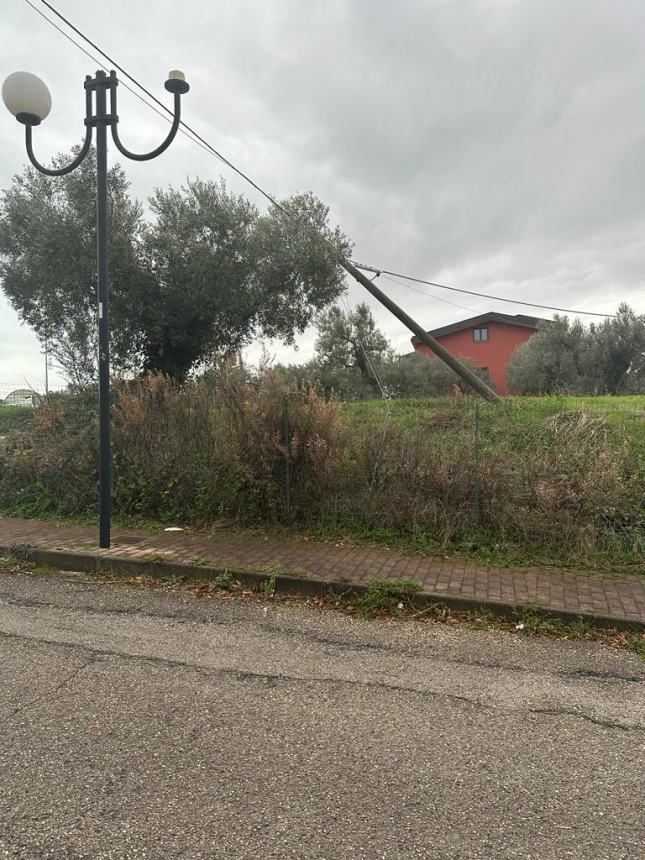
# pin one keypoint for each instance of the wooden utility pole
(451, 360)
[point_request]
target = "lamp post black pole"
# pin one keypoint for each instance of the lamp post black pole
(101, 119)
(105, 453)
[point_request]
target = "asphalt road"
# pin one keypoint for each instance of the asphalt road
(149, 723)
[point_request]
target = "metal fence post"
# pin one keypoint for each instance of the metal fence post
(477, 486)
(287, 459)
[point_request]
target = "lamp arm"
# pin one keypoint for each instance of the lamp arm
(62, 171)
(155, 152)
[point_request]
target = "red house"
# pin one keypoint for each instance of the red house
(488, 340)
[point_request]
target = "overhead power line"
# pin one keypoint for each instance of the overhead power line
(428, 295)
(367, 268)
(201, 141)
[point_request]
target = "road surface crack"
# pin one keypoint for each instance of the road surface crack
(50, 695)
(272, 679)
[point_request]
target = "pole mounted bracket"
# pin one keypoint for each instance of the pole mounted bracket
(107, 119)
(101, 81)
(177, 86)
(28, 118)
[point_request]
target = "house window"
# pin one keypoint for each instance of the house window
(480, 334)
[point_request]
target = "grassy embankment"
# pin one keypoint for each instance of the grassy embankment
(534, 480)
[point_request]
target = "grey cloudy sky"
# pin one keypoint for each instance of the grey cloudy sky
(495, 145)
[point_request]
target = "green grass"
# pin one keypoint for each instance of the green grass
(408, 410)
(479, 547)
(624, 415)
(268, 586)
(44, 570)
(13, 419)
(223, 582)
(636, 643)
(387, 595)
(605, 403)
(158, 557)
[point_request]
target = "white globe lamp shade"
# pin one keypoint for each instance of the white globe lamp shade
(27, 97)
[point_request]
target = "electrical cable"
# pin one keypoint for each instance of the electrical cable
(367, 268)
(429, 295)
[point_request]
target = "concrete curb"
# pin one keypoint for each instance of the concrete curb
(286, 584)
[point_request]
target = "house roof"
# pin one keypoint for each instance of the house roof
(491, 316)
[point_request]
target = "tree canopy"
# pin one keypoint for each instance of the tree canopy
(201, 278)
(564, 356)
(353, 358)
(48, 263)
(351, 341)
(550, 361)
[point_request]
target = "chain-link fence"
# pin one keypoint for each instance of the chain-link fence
(567, 473)
(24, 393)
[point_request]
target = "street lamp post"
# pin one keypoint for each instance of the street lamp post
(29, 100)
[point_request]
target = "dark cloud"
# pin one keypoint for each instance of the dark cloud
(496, 145)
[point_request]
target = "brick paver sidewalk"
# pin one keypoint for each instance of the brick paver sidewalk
(619, 597)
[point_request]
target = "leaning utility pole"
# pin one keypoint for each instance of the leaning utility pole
(452, 361)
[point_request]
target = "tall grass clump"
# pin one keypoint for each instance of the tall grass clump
(572, 482)
(218, 448)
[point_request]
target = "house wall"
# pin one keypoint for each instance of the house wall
(495, 353)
